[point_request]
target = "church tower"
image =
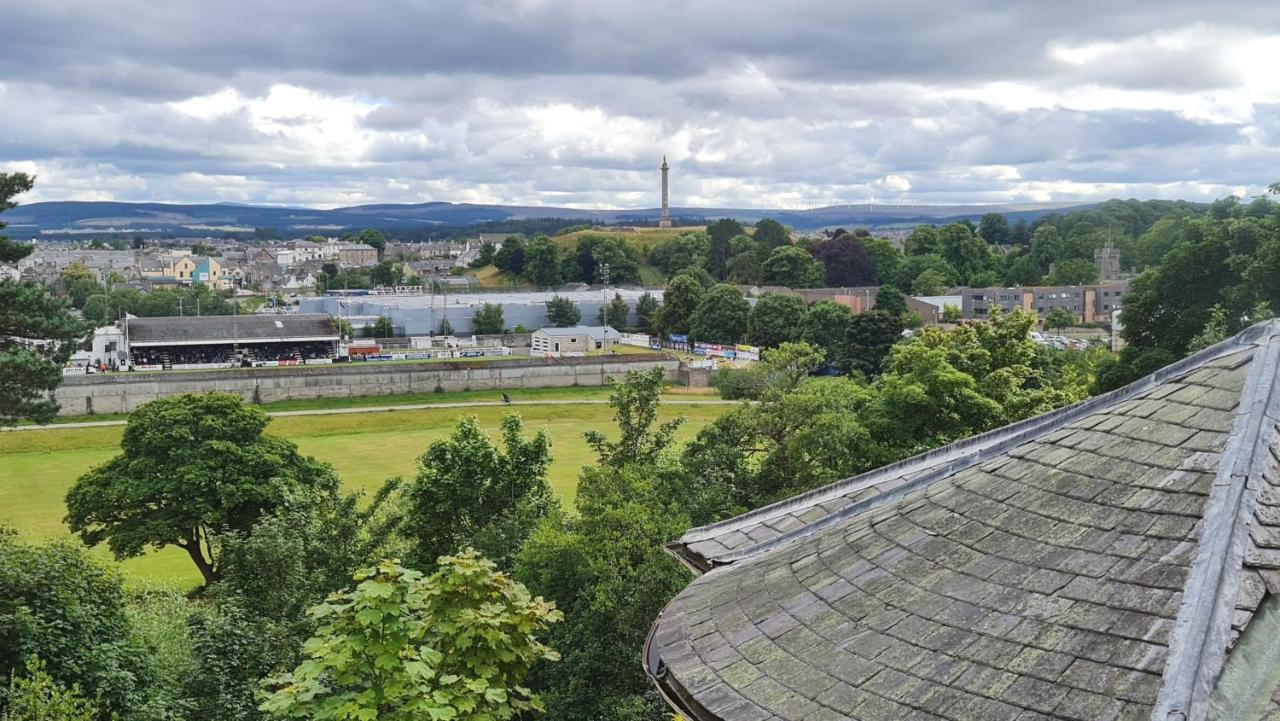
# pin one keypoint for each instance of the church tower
(665, 220)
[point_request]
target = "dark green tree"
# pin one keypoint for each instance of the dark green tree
(488, 320)
(964, 251)
(994, 229)
(384, 328)
(60, 606)
(194, 467)
(826, 327)
(1073, 271)
(871, 337)
(891, 300)
(446, 328)
(374, 239)
(721, 317)
(562, 312)
(792, 267)
(647, 310)
(614, 314)
(510, 257)
(30, 372)
(542, 262)
(720, 236)
(679, 301)
(485, 256)
(775, 319)
(470, 493)
(771, 234)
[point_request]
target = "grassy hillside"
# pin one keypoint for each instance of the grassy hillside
(642, 237)
(38, 467)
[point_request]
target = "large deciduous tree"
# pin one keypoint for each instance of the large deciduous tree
(635, 409)
(402, 647)
(846, 260)
(792, 267)
(826, 326)
(775, 320)
(542, 263)
(679, 301)
(468, 492)
(771, 234)
(193, 468)
(871, 337)
(721, 317)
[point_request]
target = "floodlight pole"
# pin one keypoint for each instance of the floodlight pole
(604, 304)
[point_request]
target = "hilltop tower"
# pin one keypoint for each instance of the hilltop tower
(664, 221)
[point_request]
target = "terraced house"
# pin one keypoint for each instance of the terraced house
(1116, 559)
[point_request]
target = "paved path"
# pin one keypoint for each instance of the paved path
(381, 409)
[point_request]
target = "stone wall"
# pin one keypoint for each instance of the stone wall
(123, 392)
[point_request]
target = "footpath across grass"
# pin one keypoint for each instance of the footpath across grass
(38, 467)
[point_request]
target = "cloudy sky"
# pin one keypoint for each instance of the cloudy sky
(544, 102)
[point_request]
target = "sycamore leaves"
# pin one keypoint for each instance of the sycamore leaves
(401, 647)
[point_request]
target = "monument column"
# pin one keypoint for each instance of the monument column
(665, 220)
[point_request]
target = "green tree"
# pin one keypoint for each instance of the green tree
(384, 328)
(771, 234)
(681, 298)
(484, 257)
(97, 310)
(446, 328)
(12, 185)
(687, 250)
(614, 314)
(60, 606)
(930, 282)
(792, 267)
(647, 311)
(468, 492)
(994, 229)
(488, 320)
(620, 258)
(37, 697)
(887, 258)
(387, 273)
(1059, 318)
(721, 317)
(510, 257)
(891, 300)
(744, 268)
(79, 283)
(542, 263)
(966, 252)
(193, 468)
(562, 312)
(826, 327)
(635, 410)
(720, 236)
(1073, 271)
(913, 266)
(923, 240)
(775, 319)
(605, 568)
(871, 336)
(374, 239)
(400, 647)
(30, 372)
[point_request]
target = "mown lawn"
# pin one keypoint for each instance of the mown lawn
(37, 467)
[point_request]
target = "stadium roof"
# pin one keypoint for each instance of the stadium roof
(592, 331)
(1116, 559)
(198, 330)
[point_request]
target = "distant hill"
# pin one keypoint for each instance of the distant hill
(74, 217)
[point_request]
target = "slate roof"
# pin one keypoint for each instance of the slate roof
(1098, 562)
(230, 328)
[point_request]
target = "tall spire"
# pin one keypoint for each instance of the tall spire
(664, 221)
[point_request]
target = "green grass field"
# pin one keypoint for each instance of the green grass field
(37, 467)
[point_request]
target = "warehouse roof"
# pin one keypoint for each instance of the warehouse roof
(194, 330)
(1119, 558)
(598, 332)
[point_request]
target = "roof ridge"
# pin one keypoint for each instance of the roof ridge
(1198, 642)
(953, 457)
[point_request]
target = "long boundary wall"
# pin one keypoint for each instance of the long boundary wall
(123, 392)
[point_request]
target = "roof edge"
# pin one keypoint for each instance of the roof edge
(1198, 642)
(945, 460)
